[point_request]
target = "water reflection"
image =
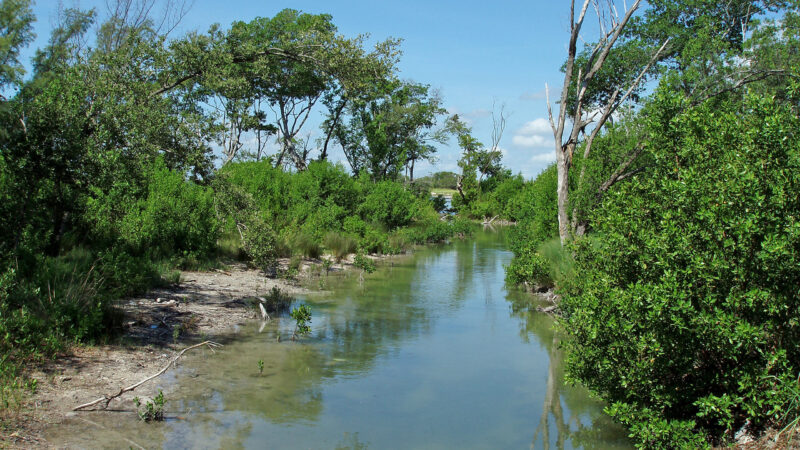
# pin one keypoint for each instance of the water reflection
(423, 353)
(581, 423)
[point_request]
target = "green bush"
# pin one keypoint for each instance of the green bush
(364, 263)
(324, 219)
(174, 217)
(374, 241)
(354, 225)
(684, 318)
(260, 244)
(505, 189)
(462, 227)
(269, 187)
(537, 202)
(439, 203)
(535, 209)
(529, 267)
(324, 183)
(390, 204)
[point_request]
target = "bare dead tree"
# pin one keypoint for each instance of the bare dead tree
(499, 119)
(611, 27)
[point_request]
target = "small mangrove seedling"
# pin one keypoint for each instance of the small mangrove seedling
(327, 264)
(302, 316)
(260, 366)
(176, 333)
(364, 263)
(151, 410)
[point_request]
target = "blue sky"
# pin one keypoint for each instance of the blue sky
(475, 53)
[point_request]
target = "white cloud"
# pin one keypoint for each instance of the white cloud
(536, 126)
(534, 134)
(534, 141)
(544, 157)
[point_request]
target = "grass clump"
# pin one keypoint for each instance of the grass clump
(340, 245)
(306, 245)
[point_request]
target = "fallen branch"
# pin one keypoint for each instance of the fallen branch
(210, 344)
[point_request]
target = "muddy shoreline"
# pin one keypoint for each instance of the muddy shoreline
(203, 306)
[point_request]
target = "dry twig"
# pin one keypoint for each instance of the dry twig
(107, 398)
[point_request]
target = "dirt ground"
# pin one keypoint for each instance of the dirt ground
(204, 306)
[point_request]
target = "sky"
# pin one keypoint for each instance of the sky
(475, 53)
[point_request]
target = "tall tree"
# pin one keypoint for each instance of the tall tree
(392, 129)
(291, 87)
(16, 32)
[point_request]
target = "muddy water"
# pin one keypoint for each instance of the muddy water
(431, 351)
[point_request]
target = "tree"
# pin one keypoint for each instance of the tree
(291, 87)
(16, 31)
(467, 183)
(684, 316)
(354, 73)
(702, 48)
(391, 129)
(476, 161)
(579, 79)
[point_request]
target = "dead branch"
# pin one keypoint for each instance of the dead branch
(620, 174)
(107, 398)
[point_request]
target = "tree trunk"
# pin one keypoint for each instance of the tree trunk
(562, 190)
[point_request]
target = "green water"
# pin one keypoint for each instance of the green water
(431, 351)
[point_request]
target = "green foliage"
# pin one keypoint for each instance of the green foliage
(364, 263)
(302, 317)
(327, 217)
(440, 180)
(16, 31)
(684, 316)
(439, 203)
(259, 242)
(535, 209)
(268, 186)
(260, 366)
(390, 204)
(530, 268)
(789, 412)
(389, 127)
(174, 217)
(354, 225)
(234, 205)
(151, 410)
(536, 203)
(429, 232)
(374, 241)
(277, 301)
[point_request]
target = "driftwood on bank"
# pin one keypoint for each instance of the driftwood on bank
(107, 398)
(487, 221)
